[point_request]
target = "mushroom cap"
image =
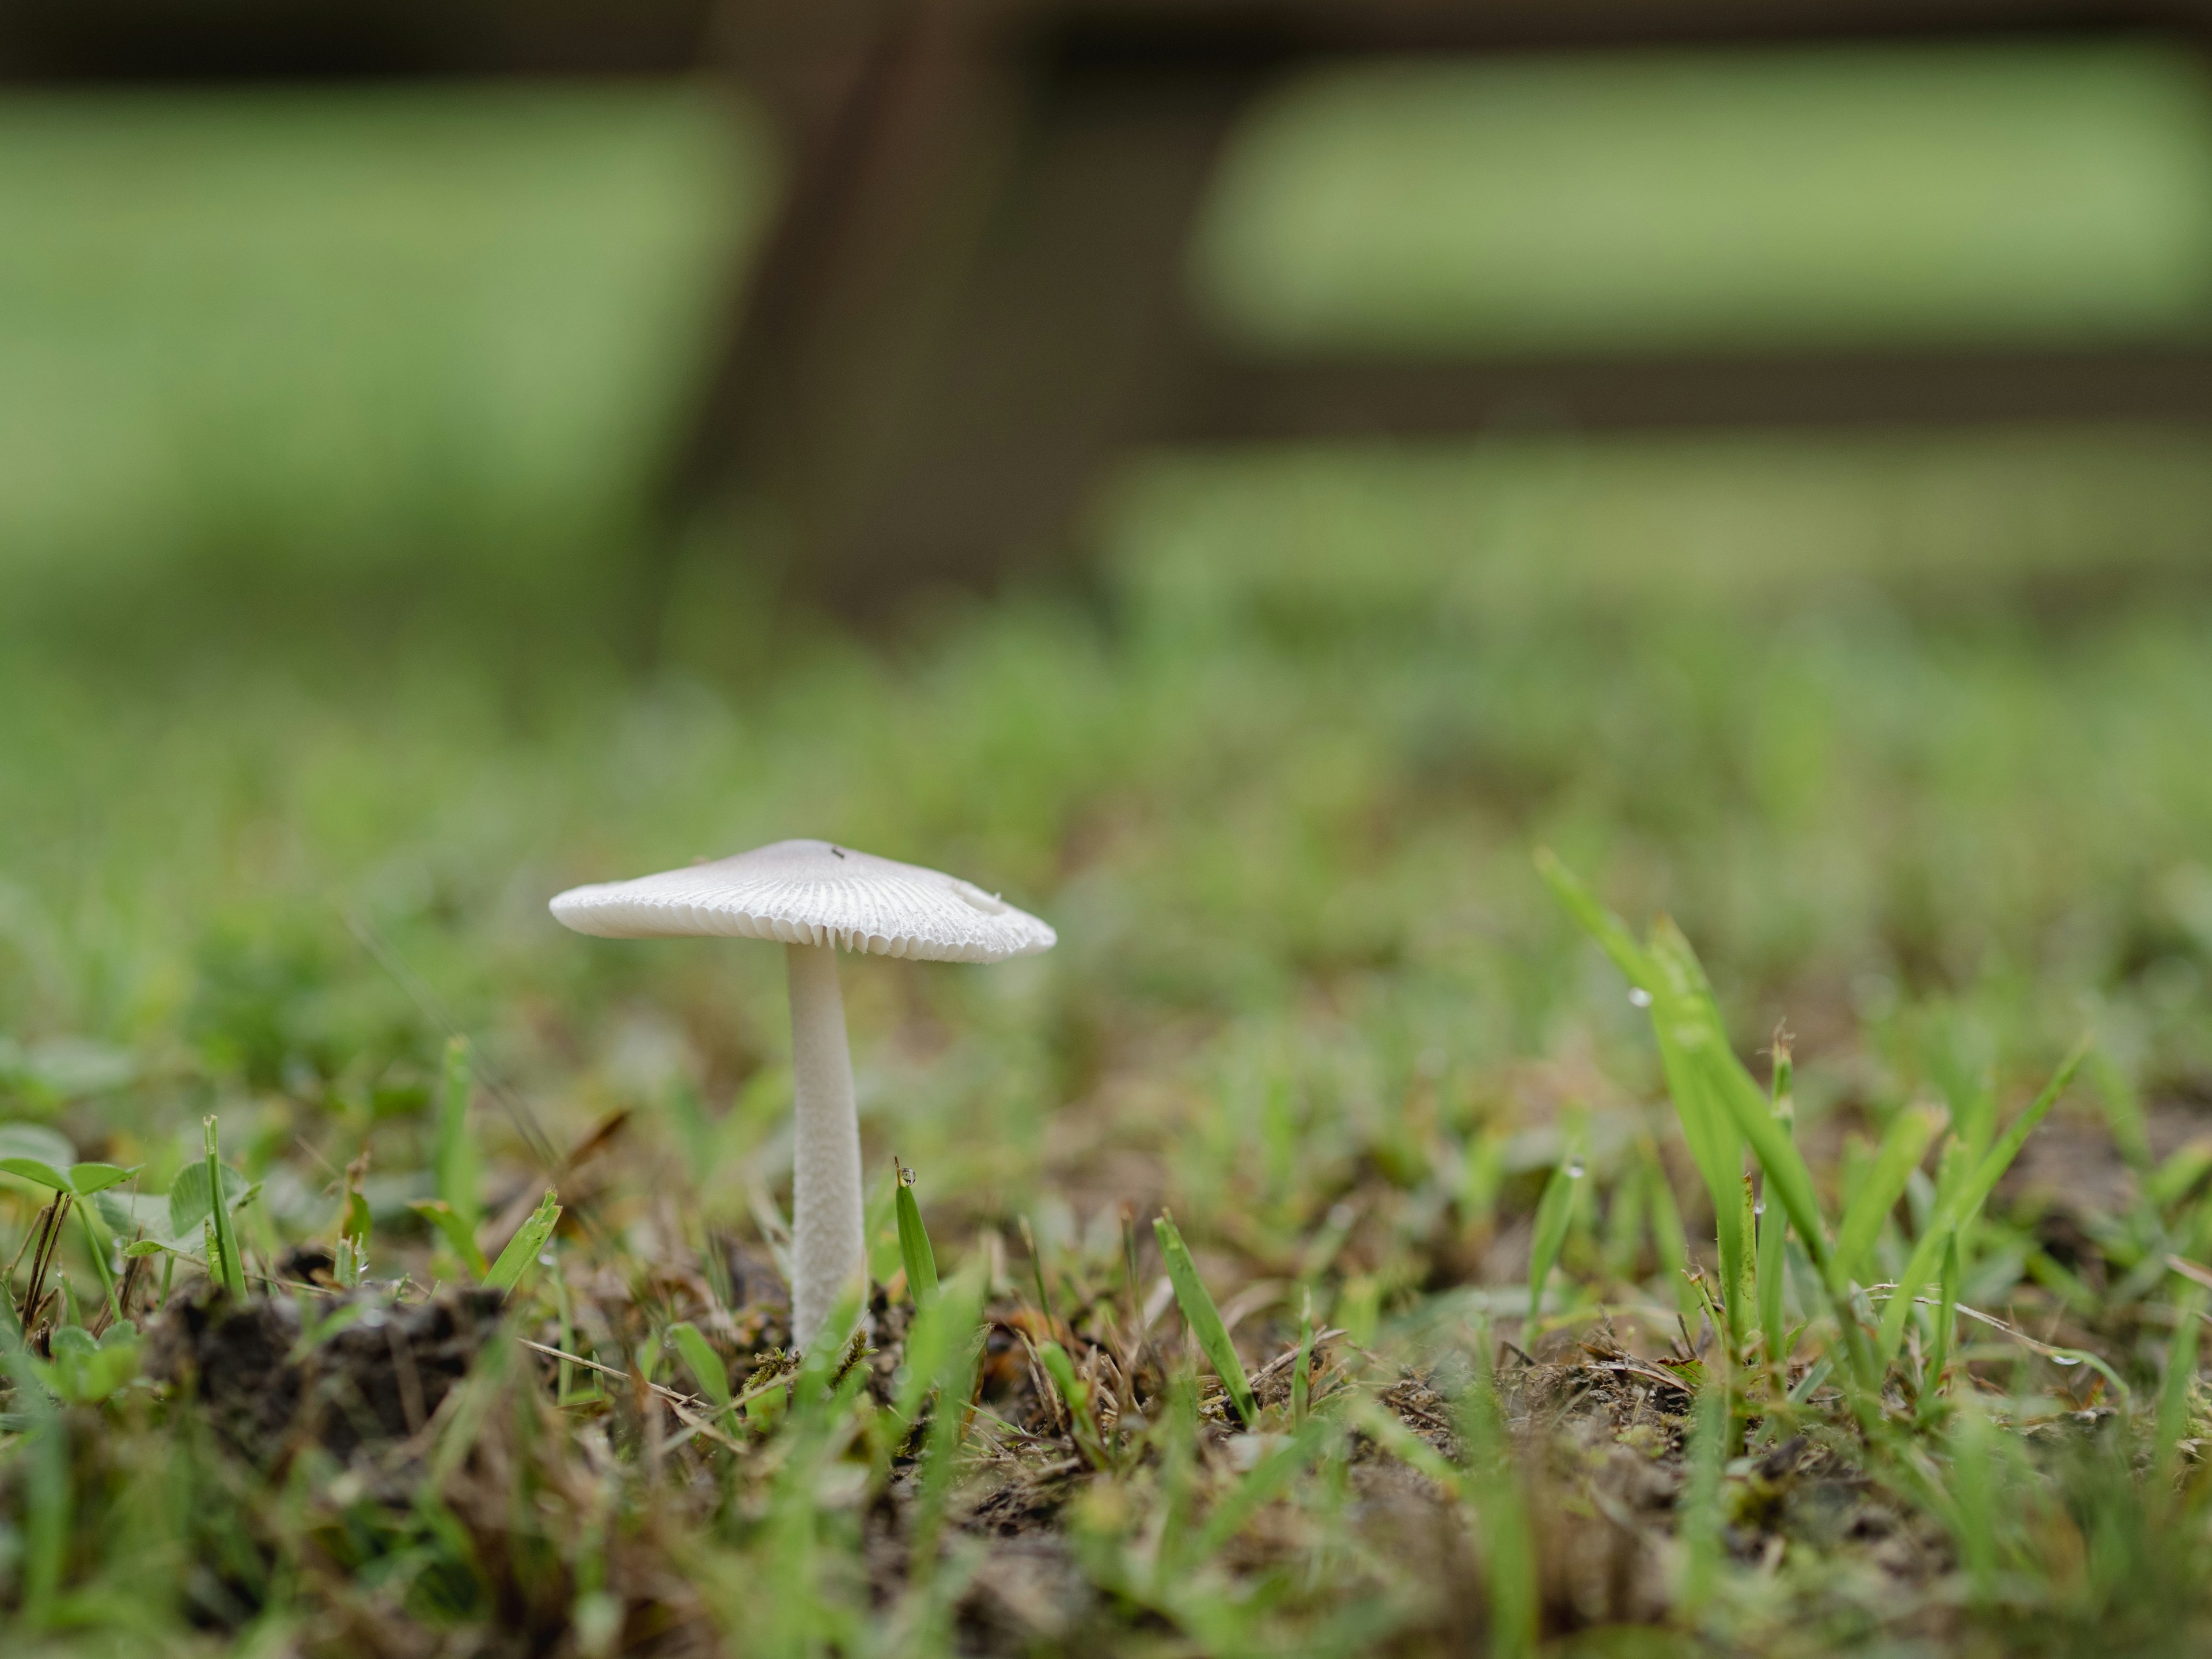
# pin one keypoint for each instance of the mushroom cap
(811, 892)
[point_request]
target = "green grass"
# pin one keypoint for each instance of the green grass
(1659, 201)
(1905, 733)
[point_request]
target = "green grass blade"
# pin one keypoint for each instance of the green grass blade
(1972, 1489)
(1588, 911)
(914, 1251)
(1268, 1478)
(1061, 1368)
(226, 1236)
(459, 1184)
(460, 1237)
(1509, 1539)
(1679, 1021)
(1555, 1214)
(1204, 1318)
(960, 1355)
(2123, 1110)
(1999, 1158)
(98, 1251)
(1880, 1188)
(1700, 1522)
(1668, 1239)
(521, 1251)
(47, 1489)
(1773, 1265)
(706, 1367)
(1966, 1197)
(2172, 1426)
(1947, 1325)
(1704, 1039)
(2174, 1180)
(1301, 1378)
(1743, 1294)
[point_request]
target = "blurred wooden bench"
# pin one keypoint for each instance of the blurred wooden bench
(972, 298)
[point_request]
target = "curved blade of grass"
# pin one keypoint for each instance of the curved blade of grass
(521, 1251)
(1705, 1041)
(707, 1369)
(1204, 1318)
(1676, 989)
(1960, 1204)
(457, 1180)
(460, 1237)
(705, 1365)
(1588, 911)
(1901, 1150)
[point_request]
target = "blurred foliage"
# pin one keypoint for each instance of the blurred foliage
(297, 737)
(1848, 197)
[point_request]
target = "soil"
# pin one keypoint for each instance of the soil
(375, 1381)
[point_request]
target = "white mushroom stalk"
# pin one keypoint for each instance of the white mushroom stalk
(829, 1242)
(816, 898)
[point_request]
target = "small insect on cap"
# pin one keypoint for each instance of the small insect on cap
(811, 892)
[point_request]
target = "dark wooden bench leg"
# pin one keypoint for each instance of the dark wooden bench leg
(975, 300)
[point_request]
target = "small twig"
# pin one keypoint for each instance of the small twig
(607, 1371)
(36, 1228)
(2047, 1349)
(42, 1260)
(293, 1285)
(1046, 1392)
(684, 1403)
(2190, 1271)
(1289, 1357)
(1650, 1374)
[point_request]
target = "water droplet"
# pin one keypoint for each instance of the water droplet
(1759, 1208)
(1574, 1170)
(2066, 1359)
(1640, 997)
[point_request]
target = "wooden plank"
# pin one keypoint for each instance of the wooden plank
(1232, 398)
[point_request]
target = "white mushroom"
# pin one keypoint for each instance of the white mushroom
(815, 898)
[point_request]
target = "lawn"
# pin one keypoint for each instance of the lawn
(330, 445)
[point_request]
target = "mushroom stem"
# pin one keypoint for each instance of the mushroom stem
(826, 1229)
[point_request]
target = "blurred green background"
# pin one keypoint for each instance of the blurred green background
(330, 426)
